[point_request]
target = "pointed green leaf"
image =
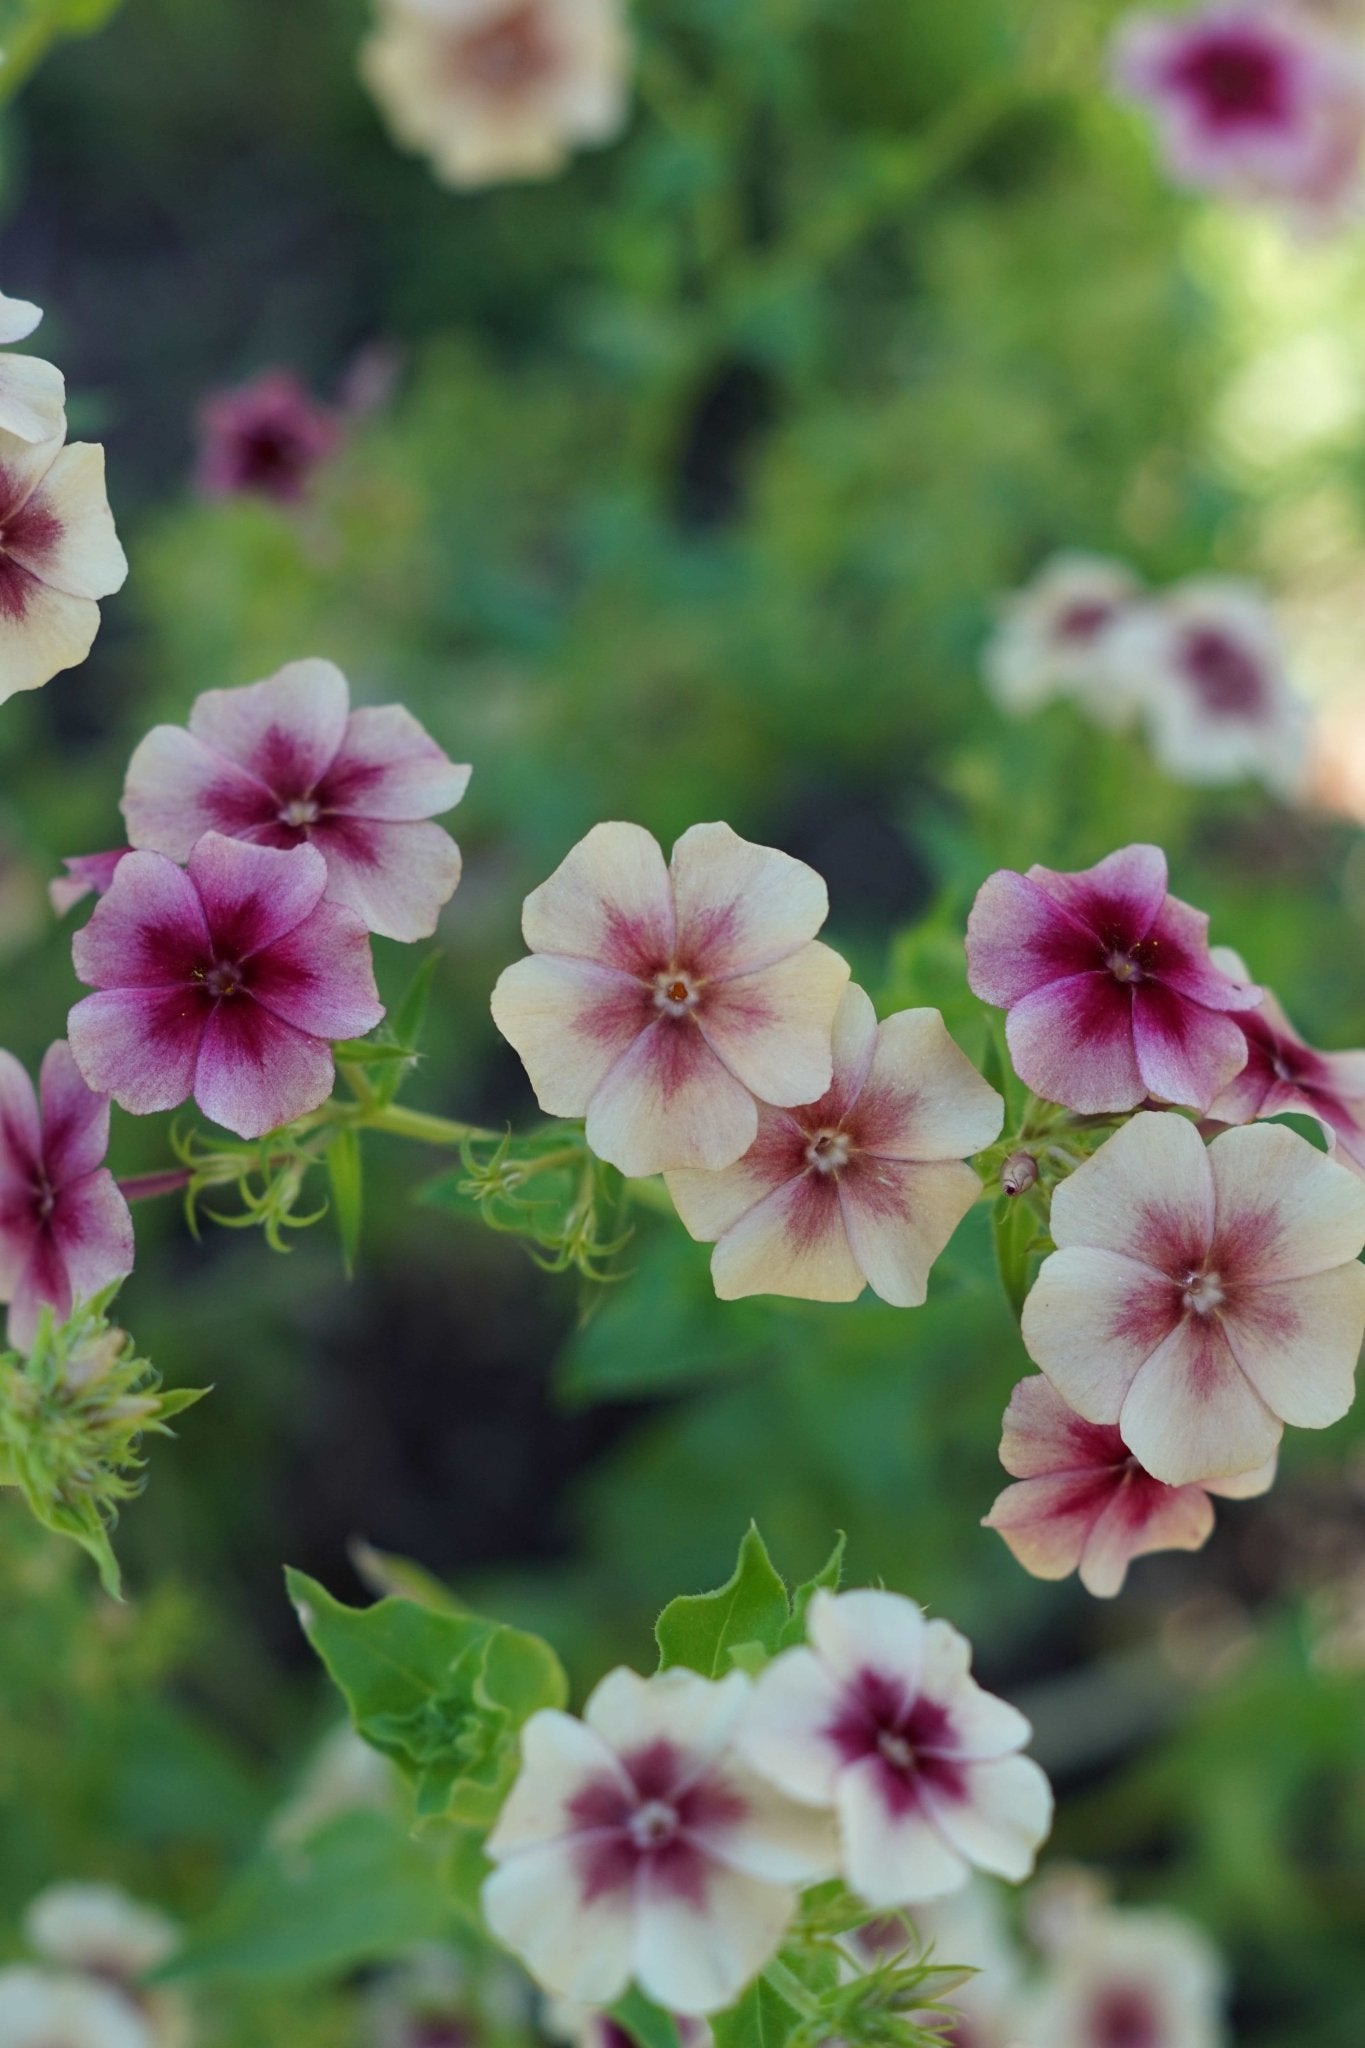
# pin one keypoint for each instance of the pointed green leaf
(646, 2023)
(406, 1023)
(760, 2020)
(826, 1580)
(700, 1629)
(346, 1174)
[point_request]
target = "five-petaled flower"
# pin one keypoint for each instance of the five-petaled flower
(265, 439)
(1111, 991)
(65, 1231)
(1254, 99)
(659, 1000)
(863, 1187)
(1203, 1297)
(1053, 638)
(1126, 1979)
(1082, 1502)
(1284, 1076)
(58, 554)
(879, 1719)
(224, 982)
(499, 89)
(637, 1844)
(32, 392)
(287, 762)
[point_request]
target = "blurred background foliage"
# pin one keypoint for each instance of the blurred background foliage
(700, 471)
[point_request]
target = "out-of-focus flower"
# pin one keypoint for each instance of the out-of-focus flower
(1143, 1979)
(1082, 1502)
(636, 1844)
(225, 983)
(58, 554)
(1208, 664)
(42, 2009)
(32, 392)
(265, 439)
(65, 1230)
(1252, 99)
(1203, 1297)
(587, 2026)
(968, 1928)
(660, 1000)
(426, 2001)
(492, 90)
(1111, 992)
(863, 1187)
(287, 762)
(1053, 639)
(344, 1775)
(100, 1930)
(880, 1720)
(87, 874)
(1284, 1076)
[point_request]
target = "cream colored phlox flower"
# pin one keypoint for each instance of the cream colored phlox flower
(32, 392)
(58, 554)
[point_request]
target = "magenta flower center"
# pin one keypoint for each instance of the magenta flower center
(45, 1196)
(38, 533)
(224, 978)
(1084, 621)
(653, 1825)
(1203, 1293)
(650, 1826)
(1122, 2017)
(676, 992)
(909, 1737)
(1227, 680)
(829, 1150)
(510, 55)
(1238, 80)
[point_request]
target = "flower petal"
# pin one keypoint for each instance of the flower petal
(1002, 1818)
(43, 1283)
(93, 1232)
(609, 900)
(980, 1725)
(75, 1119)
(1191, 1413)
(388, 766)
(147, 931)
(1283, 1210)
(692, 1714)
(1072, 1042)
(178, 788)
(1142, 1516)
(1298, 1342)
(286, 730)
(320, 976)
(770, 1836)
(139, 1045)
(867, 1629)
(1185, 1053)
(1185, 963)
(695, 1955)
(18, 319)
(42, 631)
(1020, 940)
(1046, 1521)
(21, 1142)
(396, 877)
(252, 895)
(899, 1217)
(256, 1073)
(892, 1857)
(580, 1949)
(709, 1204)
(1244, 1485)
(774, 1029)
(1091, 1322)
(1123, 893)
(32, 398)
(83, 558)
(923, 1098)
(669, 1102)
(559, 1756)
(1147, 1194)
(784, 1731)
(570, 1021)
(1042, 1436)
(793, 1242)
(742, 906)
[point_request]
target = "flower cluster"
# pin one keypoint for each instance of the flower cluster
(95, 1945)
(1201, 666)
(666, 1837)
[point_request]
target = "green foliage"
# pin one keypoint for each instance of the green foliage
(567, 1206)
(441, 1692)
(752, 1614)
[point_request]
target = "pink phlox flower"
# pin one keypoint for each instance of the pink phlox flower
(87, 874)
(1111, 992)
(65, 1230)
(660, 999)
(865, 1186)
(32, 392)
(1285, 1076)
(266, 438)
(225, 982)
(879, 1719)
(1202, 1297)
(287, 762)
(1082, 1502)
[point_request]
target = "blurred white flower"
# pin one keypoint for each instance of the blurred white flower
(493, 90)
(344, 1775)
(969, 1929)
(100, 1930)
(32, 392)
(1148, 1978)
(40, 2009)
(1053, 639)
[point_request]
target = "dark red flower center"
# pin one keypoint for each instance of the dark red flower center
(1084, 621)
(1238, 79)
(908, 1736)
(508, 56)
(44, 1196)
(27, 529)
(1227, 679)
(1129, 961)
(652, 1827)
(1124, 2017)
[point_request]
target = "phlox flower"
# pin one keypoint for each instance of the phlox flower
(1082, 1502)
(32, 392)
(1208, 665)
(879, 1720)
(1252, 99)
(1202, 1297)
(1285, 1076)
(865, 1186)
(224, 982)
(288, 763)
(1053, 638)
(264, 439)
(659, 1000)
(58, 554)
(99, 1929)
(65, 1231)
(87, 874)
(636, 1844)
(1143, 1979)
(1111, 992)
(42, 2009)
(492, 90)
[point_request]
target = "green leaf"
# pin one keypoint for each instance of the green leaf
(760, 2020)
(700, 1629)
(1015, 1226)
(360, 1891)
(406, 1023)
(384, 1573)
(370, 1052)
(646, 2023)
(346, 1173)
(827, 1580)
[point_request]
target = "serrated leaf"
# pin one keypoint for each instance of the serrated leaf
(346, 1174)
(826, 1580)
(700, 1629)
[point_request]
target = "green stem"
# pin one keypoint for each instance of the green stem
(427, 1130)
(792, 1991)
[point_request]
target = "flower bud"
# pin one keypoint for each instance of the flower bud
(1019, 1173)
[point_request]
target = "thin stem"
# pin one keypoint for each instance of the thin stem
(144, 1187)
(427, 1130)
(792, 1991)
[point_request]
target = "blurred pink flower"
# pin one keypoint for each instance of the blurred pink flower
(287, 762)
(32, 392)
(58, 554)
(863, 1187)
(1053, 638)
(265, 439)
(86, 874)
(225, 983)
(1083, 1502)
(1252, 99)
(1111, 992)
(1140, 1979)
(879, 1719)
(659, 1000)
(65, 1231)
(1201, 1298)
(1284, 1075)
